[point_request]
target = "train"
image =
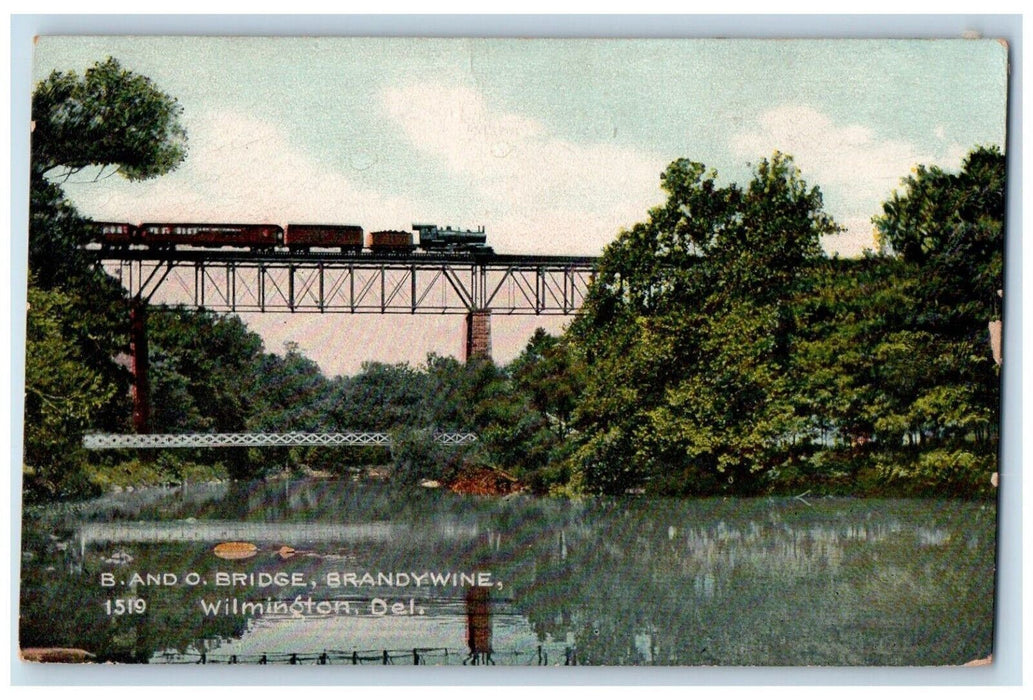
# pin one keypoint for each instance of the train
(349, 239)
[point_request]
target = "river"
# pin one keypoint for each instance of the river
(359, 573)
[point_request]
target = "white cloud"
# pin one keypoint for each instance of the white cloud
(855, 169)
(858, 236)
(241, 168)
(534, 192)
(530, 185)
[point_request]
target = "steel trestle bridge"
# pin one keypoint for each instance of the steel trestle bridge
(269, 281)
(420, 283)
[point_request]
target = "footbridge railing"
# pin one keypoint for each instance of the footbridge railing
(107, 441)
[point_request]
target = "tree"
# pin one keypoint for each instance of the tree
(892, 369)
(548, 374)
(947, 231)
(951, 225)
(687, 333)
(209, 375)
(290, 393)
(63, 395)
(380, 397)
(107, 117)
(846, 362)
(949, 228)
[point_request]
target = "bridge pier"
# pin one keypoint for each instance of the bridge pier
(139, 365)
(478, 335)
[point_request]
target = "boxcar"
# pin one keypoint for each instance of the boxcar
(301, 237)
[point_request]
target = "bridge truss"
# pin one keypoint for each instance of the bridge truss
(239, 281)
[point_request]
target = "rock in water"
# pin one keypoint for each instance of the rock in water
(235, 550)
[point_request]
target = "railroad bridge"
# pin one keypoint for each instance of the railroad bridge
(474, 286)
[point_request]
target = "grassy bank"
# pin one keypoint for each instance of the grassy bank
(161, 471)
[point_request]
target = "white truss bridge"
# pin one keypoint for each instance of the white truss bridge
(108, 441)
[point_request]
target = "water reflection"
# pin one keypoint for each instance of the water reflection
(744, 582)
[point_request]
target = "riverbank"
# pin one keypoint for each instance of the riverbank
(946, 477)
(142, 473)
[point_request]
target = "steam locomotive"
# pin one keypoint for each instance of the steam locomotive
(298, 238)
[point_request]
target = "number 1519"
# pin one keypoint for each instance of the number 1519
(125, 606)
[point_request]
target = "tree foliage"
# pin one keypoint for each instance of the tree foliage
(946, 230)
(951, 226)
(724, 352)
(108, 116)
(64, 395)
(210, 373)
(686, 334)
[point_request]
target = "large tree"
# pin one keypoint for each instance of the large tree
(63, 395)
(946, 229)
(951, 225)
(106, 118)
(110, 119)
(687, 331)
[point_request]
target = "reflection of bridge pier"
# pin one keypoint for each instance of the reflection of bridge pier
(478, 624)
(241, 281)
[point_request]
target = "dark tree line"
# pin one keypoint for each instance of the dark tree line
(724, 353)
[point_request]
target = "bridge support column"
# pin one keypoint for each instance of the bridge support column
(141, 390)
(478, 334)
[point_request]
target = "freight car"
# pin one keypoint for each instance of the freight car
(300, 238)
(390, 242)
(254, 236)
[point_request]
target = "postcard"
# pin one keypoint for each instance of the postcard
(513, 352)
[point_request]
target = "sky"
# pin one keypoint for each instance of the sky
(553, 145)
